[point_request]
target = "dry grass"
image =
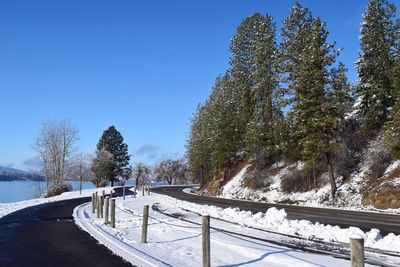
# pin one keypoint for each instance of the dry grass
(394, 174)
(58, 190)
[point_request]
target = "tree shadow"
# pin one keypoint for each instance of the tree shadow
(179, 239)
(262, 257)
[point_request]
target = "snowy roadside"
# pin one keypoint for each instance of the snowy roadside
(173, 242)
(350, 194)
(7, 208)
(275, 220)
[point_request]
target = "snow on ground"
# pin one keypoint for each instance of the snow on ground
(173, 242)
(190, 190)
(350, 193)
(7, 208)
(275, 220)
(235, 190)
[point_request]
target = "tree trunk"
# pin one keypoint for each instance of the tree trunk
(80, 185)
(331, 176)
(315, 180)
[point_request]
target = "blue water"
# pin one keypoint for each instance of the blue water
(12, 191)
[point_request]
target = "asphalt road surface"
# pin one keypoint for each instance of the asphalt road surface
(364, 220)
(46, 235)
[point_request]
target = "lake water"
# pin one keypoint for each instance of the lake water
(12, 191)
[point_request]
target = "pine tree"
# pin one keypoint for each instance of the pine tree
(296, 31)
(295, 36)
(340, 94)
(198, 149)
(375, 63)
(254, 72)
(313, 111)
(260, 140)
(243, 64)
(113, 142)
(225, 139)
(392, 126)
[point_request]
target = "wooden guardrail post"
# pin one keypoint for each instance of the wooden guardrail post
(101, 207)
(111, 193)
(95, 199)
(145, 223)
(106, 207)
(148, 190)
(93, 203)
(142, 191)
(205, 227)
(357, 251)
(123, 193)
(113, 213)
(98, 202)
(134, 192)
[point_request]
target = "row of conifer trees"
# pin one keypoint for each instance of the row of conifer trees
(290, 100)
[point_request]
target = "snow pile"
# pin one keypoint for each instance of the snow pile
(190, 190)
(173, 242)
(7, 208)
(275, 220)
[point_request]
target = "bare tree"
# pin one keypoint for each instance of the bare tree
(141, 173)
(169, 170)
(55, 146)
(81, 168)
(102, 167)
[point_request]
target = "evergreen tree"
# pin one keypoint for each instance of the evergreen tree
(224, 139)
(375, 63)
(243, 62)
(254, 72)
(113, 142)
(392, 132)
(295, 34)
(198, 149)
(260, 141)
(392, 127)
(103, 167)
(339, 95)
(315, 115)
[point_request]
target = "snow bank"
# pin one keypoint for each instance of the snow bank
(275, 220)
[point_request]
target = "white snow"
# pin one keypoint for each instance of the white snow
(190, 190)
(7, 208)
(235, 190)
(173, 242)
(275, 220)
(350, 193)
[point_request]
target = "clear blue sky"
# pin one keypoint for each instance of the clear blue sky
(142, 66)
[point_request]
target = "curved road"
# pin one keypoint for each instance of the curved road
(46, 235)
(387, 223)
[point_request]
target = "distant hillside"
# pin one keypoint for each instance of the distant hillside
(11, 174)
(11, 170)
